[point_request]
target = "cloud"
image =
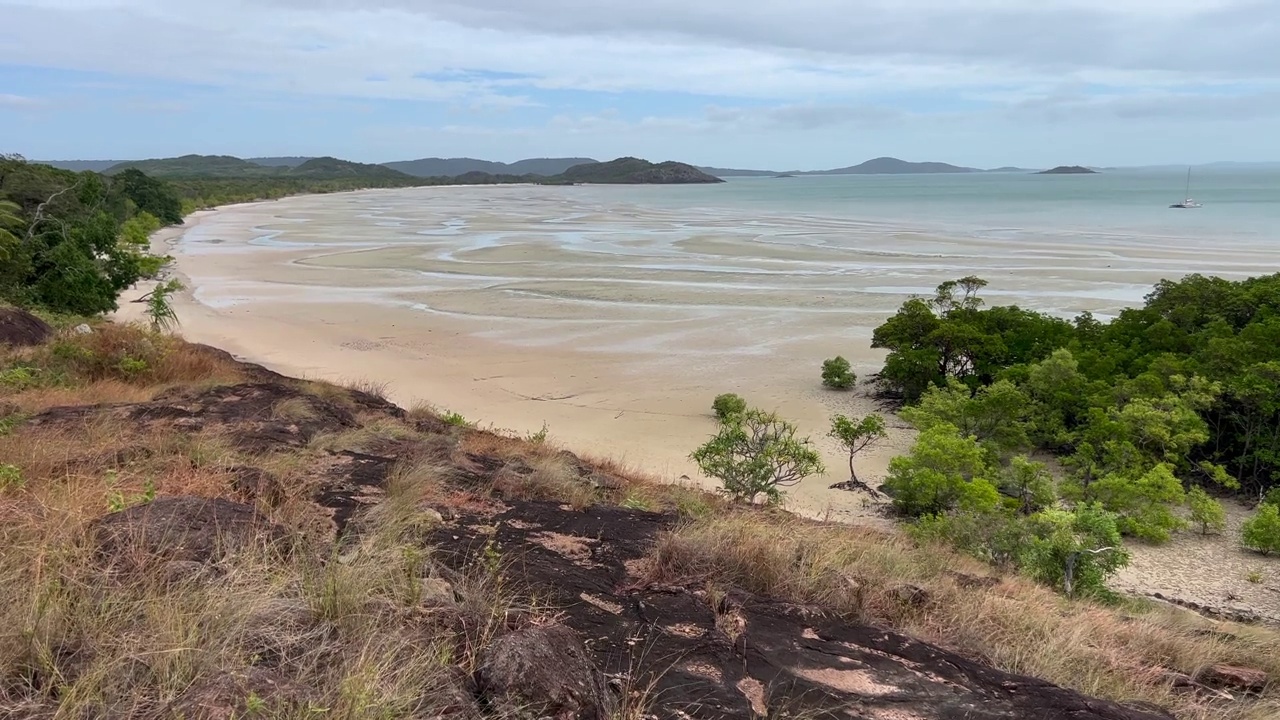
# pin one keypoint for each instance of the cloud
(712, 76)
(484, 52)
(19, 102)
(1069, 105)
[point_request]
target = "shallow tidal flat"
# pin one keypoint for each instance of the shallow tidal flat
(614, 319)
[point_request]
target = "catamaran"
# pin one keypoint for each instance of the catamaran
(1187, 202)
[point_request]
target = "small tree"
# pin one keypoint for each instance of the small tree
(1262, 531)
(1075, 551)
(857, 436)
(159, 309)
(1206, 511)
(728, 405)
(838, 374)
(756, 453)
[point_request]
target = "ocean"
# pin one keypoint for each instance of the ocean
(755, 266)
(1239, 205)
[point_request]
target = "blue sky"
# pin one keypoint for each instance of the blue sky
(743, 83)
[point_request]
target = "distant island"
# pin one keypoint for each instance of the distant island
(634, 171)
(1068, 170)
(876, 166)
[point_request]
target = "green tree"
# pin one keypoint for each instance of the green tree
(149, 195)
(1262, 531)
(1206, 511)
(837, 374)
(993, 414)
(756, 454)
(1059, 397)
(1073, 550)
(944, 471)
(727, 405)
(1143, 502)
(1029, 483)
(857, 435)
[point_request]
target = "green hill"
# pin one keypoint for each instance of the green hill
(333, 168)
(195, 166)
(630, 170)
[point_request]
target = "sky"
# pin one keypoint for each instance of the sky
(801, 84)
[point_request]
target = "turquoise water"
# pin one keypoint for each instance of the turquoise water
(1239, 205)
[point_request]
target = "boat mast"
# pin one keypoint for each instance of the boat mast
(1187, 194)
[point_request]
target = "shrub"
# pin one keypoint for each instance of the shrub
(159, 309)
(727, 405)
(837, 374)
(1144, 503)
(1075, 551)
(10, 477)
(996, 536)
(1262, 531)
(1206, 511)
(943, 472)
(757, 453)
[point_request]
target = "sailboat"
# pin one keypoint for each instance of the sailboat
(1187, 202)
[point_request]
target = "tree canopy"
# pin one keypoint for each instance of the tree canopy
(69, 242)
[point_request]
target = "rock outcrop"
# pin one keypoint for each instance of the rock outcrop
(20, 328)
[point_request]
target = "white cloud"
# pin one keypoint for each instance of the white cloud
(820, 52)
(19, 102)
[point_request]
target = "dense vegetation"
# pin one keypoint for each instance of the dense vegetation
(71, 242)
(1165, 405)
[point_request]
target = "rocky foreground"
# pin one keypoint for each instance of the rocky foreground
(286, 549)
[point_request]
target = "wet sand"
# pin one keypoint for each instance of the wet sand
(613, 323)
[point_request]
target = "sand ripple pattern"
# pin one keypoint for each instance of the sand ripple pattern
(537, 265)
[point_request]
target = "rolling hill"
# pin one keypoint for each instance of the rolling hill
(453, 167)
(194, 166)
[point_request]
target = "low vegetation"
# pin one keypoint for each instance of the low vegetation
(838, 374)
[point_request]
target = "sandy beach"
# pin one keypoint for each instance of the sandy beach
(611, 322)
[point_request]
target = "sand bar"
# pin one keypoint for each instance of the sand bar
(613, 323)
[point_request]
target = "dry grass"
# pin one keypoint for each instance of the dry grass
(368, 387)
(1112, 652)
(353, 631)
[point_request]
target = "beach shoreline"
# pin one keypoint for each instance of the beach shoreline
(647, 417)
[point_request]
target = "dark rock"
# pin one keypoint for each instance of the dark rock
(668, 638)
(228, 697)
(259, 417)
(353, 482)
(181, 529)
(544, 672)
(20, 328)
(1234, 677)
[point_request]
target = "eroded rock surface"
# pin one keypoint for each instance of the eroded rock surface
(771, 656)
